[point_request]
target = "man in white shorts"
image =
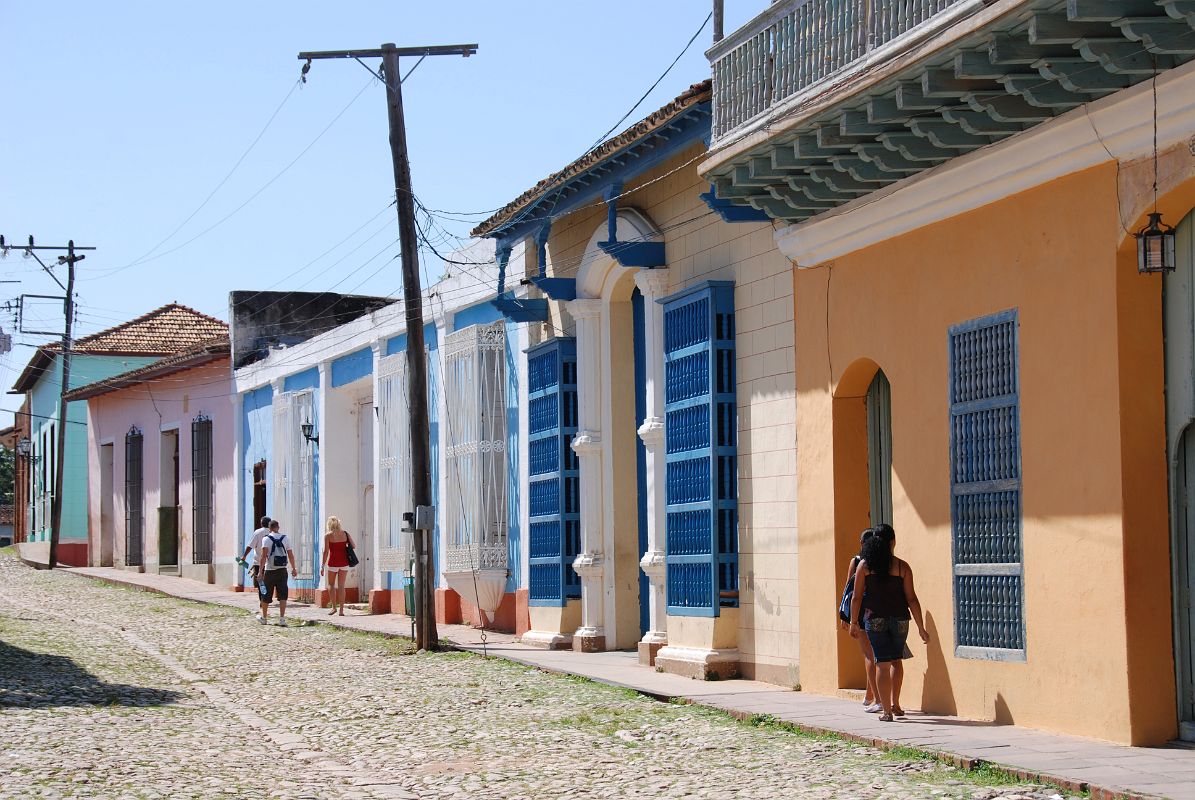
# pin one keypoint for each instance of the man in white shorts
(254, 547)
(275, 555)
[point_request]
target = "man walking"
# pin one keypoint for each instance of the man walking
(273, 558)
(253, 547)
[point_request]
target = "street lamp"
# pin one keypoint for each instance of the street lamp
(308, 430)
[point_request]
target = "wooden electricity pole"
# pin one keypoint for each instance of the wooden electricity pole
(68, 311)
(426, 637)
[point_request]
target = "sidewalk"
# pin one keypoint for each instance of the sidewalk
(1106, 770)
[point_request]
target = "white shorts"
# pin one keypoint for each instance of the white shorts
(330, 570)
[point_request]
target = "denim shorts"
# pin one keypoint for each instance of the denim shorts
(887, 636)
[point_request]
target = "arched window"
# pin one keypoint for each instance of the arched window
(879, 448)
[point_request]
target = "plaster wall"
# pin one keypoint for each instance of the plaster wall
(340, 450)
(699, 246)
(1092, 450)
(43, 410)
(168, 403)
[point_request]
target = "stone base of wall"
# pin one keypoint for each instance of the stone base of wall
(351, 595)
(589, 644)
(691, 662)
(648, 651)
(379, 601)
(522, 611)
(448, 607)
(545, 640)
(787, 675)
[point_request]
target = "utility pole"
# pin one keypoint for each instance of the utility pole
(68, 310)
(426, 637)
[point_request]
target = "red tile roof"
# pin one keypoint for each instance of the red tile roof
(162, 332)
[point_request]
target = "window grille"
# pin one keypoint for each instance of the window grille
(294, 477)
(554, 482)
(985, 461)
(201, 490)
(475, 400)
(700, 436)
(879, 448)
(134, 500)
(394, 465)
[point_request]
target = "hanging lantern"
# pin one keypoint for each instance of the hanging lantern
(1155, 246)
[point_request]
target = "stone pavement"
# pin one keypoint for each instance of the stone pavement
(111, 693)
(1106, 770)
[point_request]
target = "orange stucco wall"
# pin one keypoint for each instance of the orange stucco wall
(1099, 658)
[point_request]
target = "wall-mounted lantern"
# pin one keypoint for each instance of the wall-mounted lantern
(1155, 246)
(23, 447)
(1155, 242)
(308, 431)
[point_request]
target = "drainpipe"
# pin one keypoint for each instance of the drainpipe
(718, 20)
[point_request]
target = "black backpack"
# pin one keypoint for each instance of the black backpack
(276, 544)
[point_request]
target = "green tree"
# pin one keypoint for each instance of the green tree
(7, 472)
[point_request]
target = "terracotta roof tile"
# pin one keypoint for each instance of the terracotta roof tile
(697, 93)
(163, 331)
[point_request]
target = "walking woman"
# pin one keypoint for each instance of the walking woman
(336, 562)
(886, 603)
(871, 698)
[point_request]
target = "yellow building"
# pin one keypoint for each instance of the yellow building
(979, 360)
(620, 244)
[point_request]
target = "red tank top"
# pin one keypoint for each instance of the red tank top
(338, 553)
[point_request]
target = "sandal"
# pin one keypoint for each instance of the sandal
(885, 717)
(897, 711)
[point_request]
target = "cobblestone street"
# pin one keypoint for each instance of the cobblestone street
(107, 692)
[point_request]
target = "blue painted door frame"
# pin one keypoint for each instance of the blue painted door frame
(638, 318)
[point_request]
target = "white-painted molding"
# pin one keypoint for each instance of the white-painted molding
(464, 288)
(1119, 126)
(632, 225)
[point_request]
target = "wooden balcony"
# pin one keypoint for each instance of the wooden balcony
(796, 43)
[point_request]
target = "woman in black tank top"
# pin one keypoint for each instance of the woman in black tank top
(887, 603)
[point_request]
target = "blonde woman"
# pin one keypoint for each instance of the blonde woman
(336, 562)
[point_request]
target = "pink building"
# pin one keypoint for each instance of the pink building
(160, 460)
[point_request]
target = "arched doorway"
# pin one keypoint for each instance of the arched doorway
(862, 419)
(1179, 305)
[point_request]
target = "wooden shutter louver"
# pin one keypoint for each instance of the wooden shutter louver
(700, 435)
(201, 490)
(134, 500)
(554, 482)
(985, 460)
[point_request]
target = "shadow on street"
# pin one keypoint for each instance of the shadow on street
(39, 680)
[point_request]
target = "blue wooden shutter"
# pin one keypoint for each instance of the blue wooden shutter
(985, 461)
(134, 516)
(554, 490)
(700, 435)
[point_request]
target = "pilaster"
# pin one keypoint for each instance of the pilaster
(590, 563)
(653, 284)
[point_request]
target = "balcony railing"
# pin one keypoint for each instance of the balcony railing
(796, 43)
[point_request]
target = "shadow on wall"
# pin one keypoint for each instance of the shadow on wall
(41, 680)
(937, 693)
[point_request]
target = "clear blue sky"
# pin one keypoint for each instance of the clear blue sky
(121, 118)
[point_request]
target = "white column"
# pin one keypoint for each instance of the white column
(591, 562)
(321, 477)
(240, 536)
(378, 346)
(653, 284)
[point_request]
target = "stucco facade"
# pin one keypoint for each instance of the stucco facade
(162, 410)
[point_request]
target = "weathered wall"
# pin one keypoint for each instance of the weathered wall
(700, 246)
(169, 402)
(1092, 449)
(261, 320)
